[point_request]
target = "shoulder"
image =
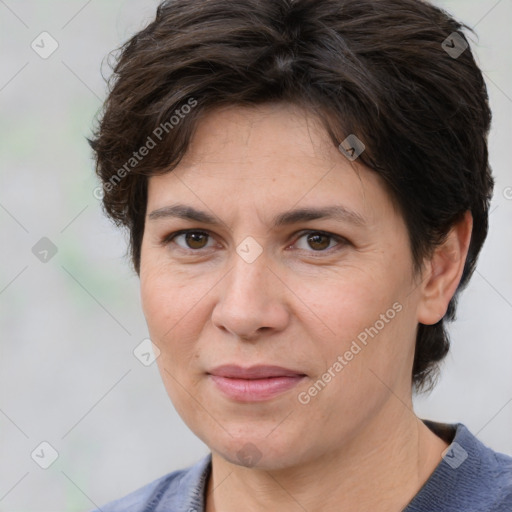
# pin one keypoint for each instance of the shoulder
(174, 489)
(471, 476)
(492, 470)
(498, 473)
(484, 476)
(138, 500)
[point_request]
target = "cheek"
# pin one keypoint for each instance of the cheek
(347, 303)
(171, 308)
(171, 312)
(167, 295)
(364, 316)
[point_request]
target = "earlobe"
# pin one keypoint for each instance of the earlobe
(444, 271)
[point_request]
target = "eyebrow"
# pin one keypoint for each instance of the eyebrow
(336, 212)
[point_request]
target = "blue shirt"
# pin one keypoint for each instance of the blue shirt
(470, 478)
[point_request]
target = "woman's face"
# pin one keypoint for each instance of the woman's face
(330, 300)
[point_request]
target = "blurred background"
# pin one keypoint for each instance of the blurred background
(74, 399)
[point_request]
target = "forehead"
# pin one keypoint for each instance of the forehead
(268, 130)
(275, 155)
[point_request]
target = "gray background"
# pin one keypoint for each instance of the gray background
(69, 326)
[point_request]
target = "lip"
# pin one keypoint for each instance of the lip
(256, 383)
(233, 371)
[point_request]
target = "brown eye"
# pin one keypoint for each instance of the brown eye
(188, 240)
(317, 241)
(196, 239)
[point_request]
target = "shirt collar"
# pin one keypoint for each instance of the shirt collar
(189, 494)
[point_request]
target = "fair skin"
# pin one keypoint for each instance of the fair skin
(356, 444)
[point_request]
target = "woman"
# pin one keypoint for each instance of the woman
(306, 186)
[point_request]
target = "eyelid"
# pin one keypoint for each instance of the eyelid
(297, 236)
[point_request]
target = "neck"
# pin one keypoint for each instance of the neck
(381, 469)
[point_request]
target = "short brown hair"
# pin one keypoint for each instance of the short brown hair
(379, 69)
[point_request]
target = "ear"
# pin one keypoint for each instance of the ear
(443, 272)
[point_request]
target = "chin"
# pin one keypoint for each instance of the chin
(259, 452)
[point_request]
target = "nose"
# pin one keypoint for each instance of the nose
(252, 300)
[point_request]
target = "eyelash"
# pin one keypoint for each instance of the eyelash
(340, 240)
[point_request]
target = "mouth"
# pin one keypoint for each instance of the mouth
(254, 384)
